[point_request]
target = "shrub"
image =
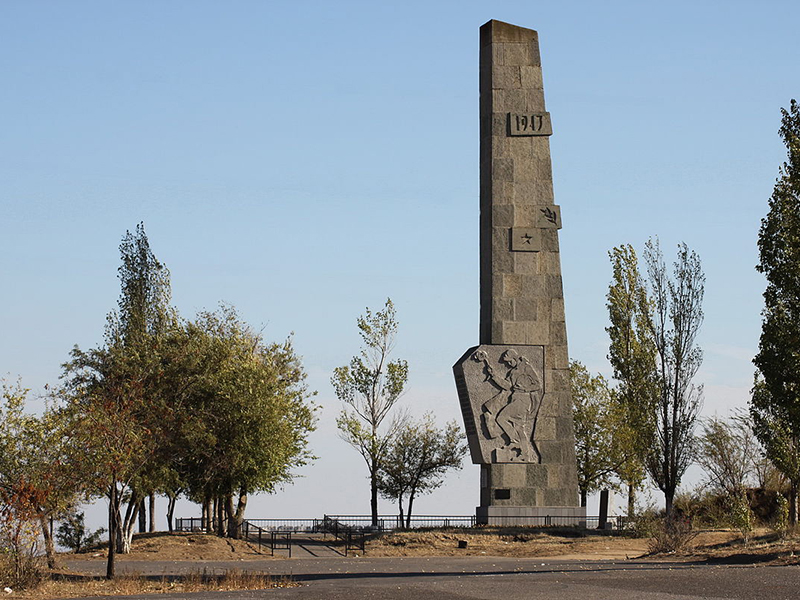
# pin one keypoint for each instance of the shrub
(741, 516)
(20, 565)
(72, 533)
(674, 534)
(781, 522)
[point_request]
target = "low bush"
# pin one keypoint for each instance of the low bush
(72, 533)
(670, 535)
(20, 564)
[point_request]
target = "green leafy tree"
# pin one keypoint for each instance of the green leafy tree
(370, 386)
(106, 403)
(114, 394)
(40, 477)
(143, 319)
(595, 429)
(144, 314)
(245, 413)
(632, 354)
(775, 402)
(677, 313)
(419, 456)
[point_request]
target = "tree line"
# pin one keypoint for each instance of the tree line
(645, 427)
(203, 407)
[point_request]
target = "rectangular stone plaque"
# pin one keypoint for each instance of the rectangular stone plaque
(522, 124)
(525, 239)
(548, 217)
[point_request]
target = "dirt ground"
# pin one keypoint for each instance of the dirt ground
(710, 546)
(183, 546)
(714, 545)
(507, 542)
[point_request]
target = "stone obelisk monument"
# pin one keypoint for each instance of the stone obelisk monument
(514, 387)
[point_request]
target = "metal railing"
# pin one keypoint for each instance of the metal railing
(392, 522)
(293, 525)
(352, 538)
(189, 524)
(280, 540)
(276, 540)
(363, 523)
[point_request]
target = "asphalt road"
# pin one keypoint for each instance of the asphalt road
(489, 578)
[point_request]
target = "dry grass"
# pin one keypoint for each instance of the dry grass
(724, 546)
(69, 585)
(159, 546)
(765, 546)
(183, 546)
(516, 542)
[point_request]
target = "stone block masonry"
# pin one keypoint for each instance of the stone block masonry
(514, 387)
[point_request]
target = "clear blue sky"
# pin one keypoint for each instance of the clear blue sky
(303, 160)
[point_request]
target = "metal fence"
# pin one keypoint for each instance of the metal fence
(363, 523)
(352, 537)
(287, 525)
(392, 522)
(189, 524)
(267, 525)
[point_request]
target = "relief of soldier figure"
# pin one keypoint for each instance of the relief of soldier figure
(509, 416)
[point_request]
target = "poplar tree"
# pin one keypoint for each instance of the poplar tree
(675, 319)
(775, 402)
(632, 354)
(114, 393)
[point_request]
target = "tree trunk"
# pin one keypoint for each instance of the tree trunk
(402, 522)
(214, 519)
(207, 526)
(171, 510)
(373, 500)
(128, 525)
(411, 495)
(113, 513)
(231, 517)
(49, 547)
(669, 496)
(793, 504)
(238, 517)
(584, 498)
(152, 512)
(631, 501)
(235, 518)
(220, 517)
(142, 516)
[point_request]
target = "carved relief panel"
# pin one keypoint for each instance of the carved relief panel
(501, 389)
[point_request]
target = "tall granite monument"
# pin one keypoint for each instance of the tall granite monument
(514, 388)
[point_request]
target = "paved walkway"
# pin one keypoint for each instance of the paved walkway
(489, 579)
(312, 545)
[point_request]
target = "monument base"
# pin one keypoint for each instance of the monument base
(531, 516)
